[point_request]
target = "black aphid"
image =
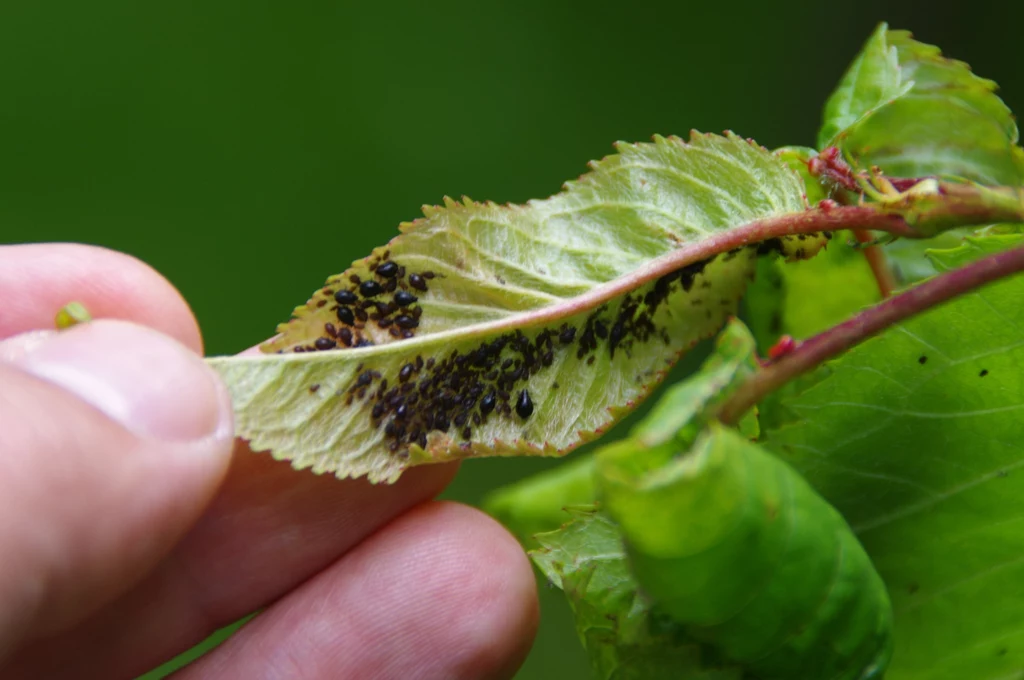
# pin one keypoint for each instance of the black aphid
(324, 343)
(487, 403)
(345, 297)
(345, 316)
(370, 288)
(567, 335)
(417, 282)
(615, 336)
(364, 379)
(387, 270)
(922, 359)
(406, 321)
(405, 373)
(404, 298)
(983, 373)
(345, 335)
(524, 405)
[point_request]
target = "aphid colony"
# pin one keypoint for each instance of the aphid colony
(460, 391)
(367, 301)
(466, 388)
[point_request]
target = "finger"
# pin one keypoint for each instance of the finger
(37, 280)
(269, 529)
(113, 438)
(442, 592)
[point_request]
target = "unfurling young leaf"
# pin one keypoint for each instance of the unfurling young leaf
(904, 107)
(490, 330)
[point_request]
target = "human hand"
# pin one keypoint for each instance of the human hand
(130, 530)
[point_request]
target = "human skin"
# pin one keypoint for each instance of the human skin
(133, 524)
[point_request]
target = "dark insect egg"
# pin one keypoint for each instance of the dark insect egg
(345, 297)
(922, 359)
(324, 343)
(417, 282)
(524, 405)
(370, 288)
(404, 298)
(387, 270)
(346, 316)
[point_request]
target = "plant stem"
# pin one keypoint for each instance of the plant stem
(836, 340)
(879, 266)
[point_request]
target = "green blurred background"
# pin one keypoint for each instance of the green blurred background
(258, 147)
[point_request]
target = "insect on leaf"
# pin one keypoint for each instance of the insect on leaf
(487, 330)
(538, 503)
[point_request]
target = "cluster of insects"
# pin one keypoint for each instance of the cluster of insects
(464, 389)
(387, 300)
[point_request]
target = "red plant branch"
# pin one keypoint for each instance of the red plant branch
(838, 339)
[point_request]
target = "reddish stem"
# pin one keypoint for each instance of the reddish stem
(878, 263)
(836, 340)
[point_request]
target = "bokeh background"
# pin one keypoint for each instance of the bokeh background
(248, 150)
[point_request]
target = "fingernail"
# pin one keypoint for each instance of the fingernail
(146, 381)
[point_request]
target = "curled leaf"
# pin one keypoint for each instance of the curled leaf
(735, 545)
(490, 330)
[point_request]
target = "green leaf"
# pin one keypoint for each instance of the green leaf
(871, 81)
(904, 107)
(915, 436)
(734, 544)
(910, 258)
(557, 285)
(623, 636)
(538, 503)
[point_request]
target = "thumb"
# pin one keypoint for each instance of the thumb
(113, 438)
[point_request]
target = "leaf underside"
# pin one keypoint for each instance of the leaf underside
(915, 437)
(533, 327)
